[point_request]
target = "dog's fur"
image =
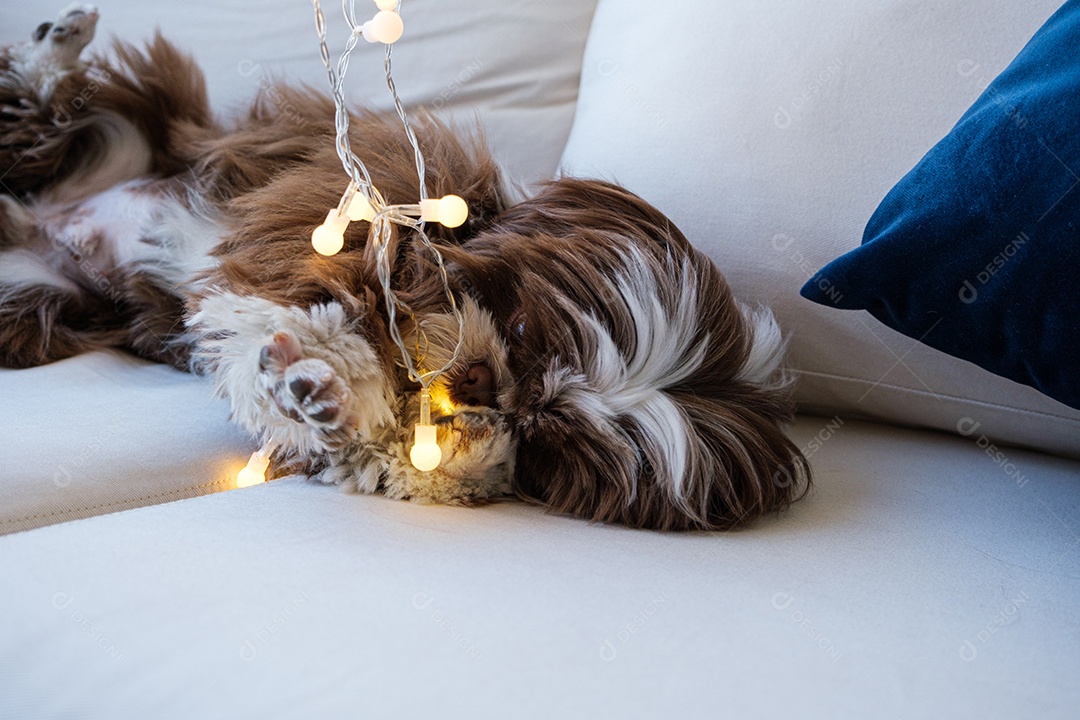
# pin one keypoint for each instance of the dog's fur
(607, 370)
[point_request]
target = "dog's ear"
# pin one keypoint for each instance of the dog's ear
(690, 461)
(493, 282)
(41, 31)
(664, 414)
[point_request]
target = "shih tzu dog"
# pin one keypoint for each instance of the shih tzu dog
(606, 370)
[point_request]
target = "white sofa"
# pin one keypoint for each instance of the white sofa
(933, 572)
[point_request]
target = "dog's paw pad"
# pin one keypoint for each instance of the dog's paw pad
(317, 392)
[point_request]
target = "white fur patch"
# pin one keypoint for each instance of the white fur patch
(766, 350)
(176, 243)
(232, 330)
(137, 229)
(665, 354)
(24, 268)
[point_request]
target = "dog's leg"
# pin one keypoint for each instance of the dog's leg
(310, 381)
(45, 317)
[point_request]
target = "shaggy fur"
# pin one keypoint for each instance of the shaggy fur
(607, 371)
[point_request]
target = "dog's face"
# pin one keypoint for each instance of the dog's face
(615, 363)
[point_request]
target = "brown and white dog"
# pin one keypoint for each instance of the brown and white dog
(607, 371)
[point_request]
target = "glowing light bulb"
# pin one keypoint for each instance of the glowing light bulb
(329, 238)
(426, 453)
(387, 4)
(451, 211)
(360, 209)
(386, 27)
(254, 472)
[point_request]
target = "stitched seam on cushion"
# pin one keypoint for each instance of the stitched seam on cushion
(978, 403)
(41, 516)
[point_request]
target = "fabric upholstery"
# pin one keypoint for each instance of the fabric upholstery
(104, 432)
(920, 580)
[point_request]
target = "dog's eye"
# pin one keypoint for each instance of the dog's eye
(516, 324)
(41, 31)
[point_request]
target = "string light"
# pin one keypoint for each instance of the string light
(363, 202)
(386, 27)
(359, 208)
(255, 471)
(329, 238)
(426, 453)
(451, 211)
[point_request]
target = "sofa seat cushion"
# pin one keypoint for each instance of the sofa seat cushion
(926, 576)
(104, 432)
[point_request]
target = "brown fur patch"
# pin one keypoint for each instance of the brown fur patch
(277, 184)
(40, 324)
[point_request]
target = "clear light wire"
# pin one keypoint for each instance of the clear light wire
(381, 232)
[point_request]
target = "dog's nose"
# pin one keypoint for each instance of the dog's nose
(476, 387)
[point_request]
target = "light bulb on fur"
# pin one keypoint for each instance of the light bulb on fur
(426, 453)
(386, 27)
(255, 470)
(360, 209)
(329, 238)
(451, 211)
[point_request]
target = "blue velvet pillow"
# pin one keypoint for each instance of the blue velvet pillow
(976, 251)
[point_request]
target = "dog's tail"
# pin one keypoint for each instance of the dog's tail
(162, 91)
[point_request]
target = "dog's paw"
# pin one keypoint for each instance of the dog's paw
(465, 439)
(307, 390)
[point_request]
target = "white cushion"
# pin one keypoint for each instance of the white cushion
(104, 432)
(514, 63)
(917, 581)
(769, 131)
